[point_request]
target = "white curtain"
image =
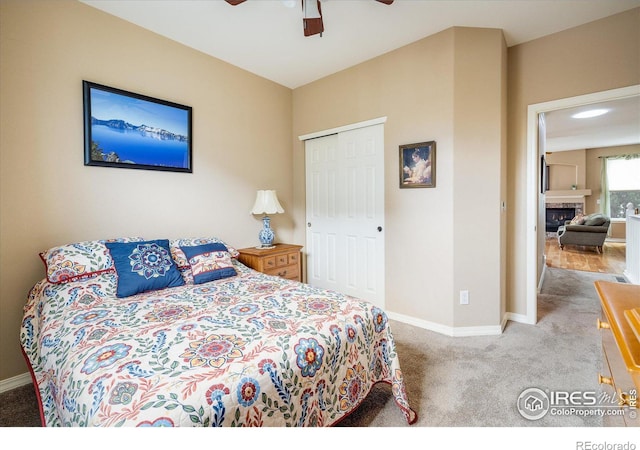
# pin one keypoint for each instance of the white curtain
(604, 181)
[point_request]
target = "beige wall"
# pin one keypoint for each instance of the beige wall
(567, 168)
(450, 88)
(594, 57)
(241, 142)
(479, 171)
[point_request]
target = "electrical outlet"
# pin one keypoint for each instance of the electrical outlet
(464, 297)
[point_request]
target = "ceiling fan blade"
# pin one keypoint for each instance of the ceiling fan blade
(386, 2)
(312, 17)
(235, 2)
(313, 26)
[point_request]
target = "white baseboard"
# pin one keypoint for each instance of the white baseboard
(630, 277)
(544, 272)
(14, 382)
(520, 318)
(448, 331)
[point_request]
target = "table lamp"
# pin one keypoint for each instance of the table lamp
(266, 203)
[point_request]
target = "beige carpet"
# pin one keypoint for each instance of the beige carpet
(469, 381)
(476, 381)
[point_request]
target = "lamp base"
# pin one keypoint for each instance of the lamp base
(266, 235)
(261, 246)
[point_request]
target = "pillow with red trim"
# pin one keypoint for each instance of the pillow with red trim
(209, 262)
(80, 260)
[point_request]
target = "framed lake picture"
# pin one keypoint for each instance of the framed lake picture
(123, 129)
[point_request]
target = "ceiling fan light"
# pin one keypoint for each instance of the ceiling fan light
(590, 113)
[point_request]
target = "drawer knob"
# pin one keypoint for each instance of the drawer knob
(602, 325)
(624, 399)
(605, 380)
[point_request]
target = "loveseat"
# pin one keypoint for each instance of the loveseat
(588, 230)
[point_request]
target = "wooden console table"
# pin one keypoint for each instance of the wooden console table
(620, 326)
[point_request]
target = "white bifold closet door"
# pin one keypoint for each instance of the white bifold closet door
(345, 212)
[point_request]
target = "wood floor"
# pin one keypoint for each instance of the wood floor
(578, 257)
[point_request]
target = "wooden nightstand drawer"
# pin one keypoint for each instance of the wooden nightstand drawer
(283, 260)
(269, 262)
(290, 272)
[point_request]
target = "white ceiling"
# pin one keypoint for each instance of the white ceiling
(266, 38)
(619, 126)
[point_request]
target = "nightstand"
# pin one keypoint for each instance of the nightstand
(282, 260)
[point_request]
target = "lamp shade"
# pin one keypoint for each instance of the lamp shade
(266, 203)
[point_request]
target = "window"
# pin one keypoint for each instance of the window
(623, 180)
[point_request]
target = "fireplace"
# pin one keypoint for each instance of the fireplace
(557, 216)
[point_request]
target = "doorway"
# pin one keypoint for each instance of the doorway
(535, 235)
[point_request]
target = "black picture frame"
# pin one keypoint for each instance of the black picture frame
(418, 165)
(544, 175)
(134, 131)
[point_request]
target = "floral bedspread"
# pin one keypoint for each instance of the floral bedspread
(250, 350)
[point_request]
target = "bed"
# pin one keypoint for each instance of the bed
(196, 339)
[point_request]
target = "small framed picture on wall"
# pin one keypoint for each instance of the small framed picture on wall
(418, 165)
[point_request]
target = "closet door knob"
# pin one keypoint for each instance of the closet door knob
(379, 228)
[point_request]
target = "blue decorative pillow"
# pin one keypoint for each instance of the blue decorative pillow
(143, 266)
(209, 262)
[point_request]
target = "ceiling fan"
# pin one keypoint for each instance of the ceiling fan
(311, 14)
